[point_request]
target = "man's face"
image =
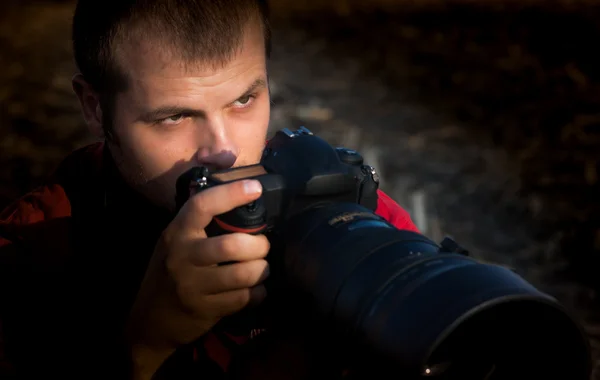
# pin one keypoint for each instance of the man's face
(176, 114)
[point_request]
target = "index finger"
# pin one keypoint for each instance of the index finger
(199, 210)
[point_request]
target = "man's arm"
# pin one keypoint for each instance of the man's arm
(9, 219)
(391, 211)
(6, 368)
(21, 223)
(7, 251)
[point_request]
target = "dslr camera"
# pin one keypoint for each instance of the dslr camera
(393, 303)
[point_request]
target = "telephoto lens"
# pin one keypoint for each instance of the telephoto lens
(402, 306)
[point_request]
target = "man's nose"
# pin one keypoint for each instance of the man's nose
(219, 161)
(219, 152)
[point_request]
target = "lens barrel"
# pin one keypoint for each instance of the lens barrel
(400, 306)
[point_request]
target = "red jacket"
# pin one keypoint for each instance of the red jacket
(72, 254)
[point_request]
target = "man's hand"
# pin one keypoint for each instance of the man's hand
(184, 292)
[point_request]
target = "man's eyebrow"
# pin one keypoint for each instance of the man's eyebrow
(256, 85)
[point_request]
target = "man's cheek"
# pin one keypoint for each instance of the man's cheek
(253, 148)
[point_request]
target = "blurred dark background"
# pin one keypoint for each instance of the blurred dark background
(482, 117)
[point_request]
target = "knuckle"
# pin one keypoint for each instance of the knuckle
(229, 243)
(171, 264)
(237, 192)
(257, 245)
(241, 299)
(243, 274)
(183, 290)
(200, 203)
(170, 259)
(237, 187)
(168, 238)
(228, 194)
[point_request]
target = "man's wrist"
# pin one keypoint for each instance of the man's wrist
(146, 361)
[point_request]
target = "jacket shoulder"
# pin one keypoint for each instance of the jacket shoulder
(23, 219)
(46, 202)
(391, 211)
(41, 216)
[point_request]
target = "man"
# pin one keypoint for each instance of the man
(99, 278)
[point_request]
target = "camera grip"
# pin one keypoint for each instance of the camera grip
(250, 219)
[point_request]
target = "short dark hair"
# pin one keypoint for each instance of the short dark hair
(209, 30)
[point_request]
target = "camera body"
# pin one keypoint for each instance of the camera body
(298, 170)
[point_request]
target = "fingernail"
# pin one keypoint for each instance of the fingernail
(252, 186)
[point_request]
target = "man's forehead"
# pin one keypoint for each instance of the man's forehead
(179, 77)
(161, 76)
(143, 53)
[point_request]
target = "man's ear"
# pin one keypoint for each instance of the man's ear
(90, 105)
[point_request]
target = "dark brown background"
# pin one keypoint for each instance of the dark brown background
(484, 121)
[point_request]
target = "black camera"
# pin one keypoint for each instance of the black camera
(389, 303)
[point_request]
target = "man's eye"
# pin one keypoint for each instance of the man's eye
(175, 119)
(244, 101)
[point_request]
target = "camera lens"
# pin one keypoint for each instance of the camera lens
(398, 301)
